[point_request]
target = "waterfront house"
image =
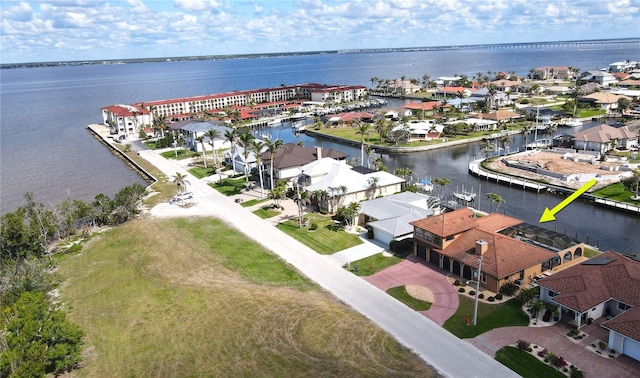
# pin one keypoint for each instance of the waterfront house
(327, 174)
(551, 73)
(606, 286)
(237, 161)
(622, 66)
(404, 86)
(389, 217)
(288, 160)
(505, 85)
(454, 92)
(629, 83)
(126, 120)
(421, 130)
(511, 250)
(194, 129)
(602, 100)
(428, 108)
(605, 79)
(602, 138)
(500, 115)
(349, 117)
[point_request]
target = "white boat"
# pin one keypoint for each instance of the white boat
(298, 126)
(274, 122)
(571, 122)
(465, 196)
(298, 116)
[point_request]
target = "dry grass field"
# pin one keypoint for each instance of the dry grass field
(193, 298)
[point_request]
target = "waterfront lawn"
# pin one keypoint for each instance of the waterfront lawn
(490, 316)
(201, 300)
(400, 293)
(615, 192)
(374, 264)
(164, 189)
(526, 365)
(327, 239)
(253, 202)
(229, 187)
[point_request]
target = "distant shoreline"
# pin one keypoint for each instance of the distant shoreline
(589, 42)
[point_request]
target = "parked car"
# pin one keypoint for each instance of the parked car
(182, 197)
(519, 282)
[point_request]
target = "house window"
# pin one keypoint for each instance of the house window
(552, 294)
(449, 238)
(419, 232)
(427, 236)
(484, 277)
(623, 306)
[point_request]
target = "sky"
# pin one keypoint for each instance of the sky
(66, 30)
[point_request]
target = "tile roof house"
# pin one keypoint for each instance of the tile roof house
(604, 137)
(288, 161)
(608, 286)
(603, 100)
(510, 249)
(389, 216)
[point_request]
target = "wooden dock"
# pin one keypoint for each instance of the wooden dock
(476, 170)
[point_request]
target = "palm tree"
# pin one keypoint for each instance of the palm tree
(440, 185)
(370, 151)
(245, 141)
(633, 182)
(337, 196)
(526, 130)
(494, 198)
(487, 147)
(319, 197)
(403, 172)
(373, 184)
(504, 142)
(575, 93)
(181, 181)
(256, 148)
(272, 146)
(204, 155)
(278, 192)
(302, 199)
(231, 136)
(363, 128)
(213, 134)
(381, 128)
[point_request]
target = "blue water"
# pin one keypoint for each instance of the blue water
(46, 149)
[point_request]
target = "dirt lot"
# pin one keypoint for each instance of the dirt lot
(554, 162)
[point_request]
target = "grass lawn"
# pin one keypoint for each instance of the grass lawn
(616, 192)
(526, 365)
(200, 300)
(265, 213)
(229, 187)
(490, 316)
(182, 154)
(373, 264)
(400, 293)
(253, 202)
(202, 172)
(327, 239)
(591, 253)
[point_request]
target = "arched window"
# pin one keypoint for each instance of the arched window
(567, 256)
(577, 253)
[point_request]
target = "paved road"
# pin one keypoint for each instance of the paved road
(439, 348)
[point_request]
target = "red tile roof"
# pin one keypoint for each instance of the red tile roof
(587, 285)
(429, 105)
(447, 224)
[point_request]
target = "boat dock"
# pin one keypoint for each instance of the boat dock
(476, 170)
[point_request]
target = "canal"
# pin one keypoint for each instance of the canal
(601, 227)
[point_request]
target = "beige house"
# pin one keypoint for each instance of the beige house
(603, 100)
(604, 137)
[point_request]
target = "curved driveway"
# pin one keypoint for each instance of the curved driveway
(439, 348)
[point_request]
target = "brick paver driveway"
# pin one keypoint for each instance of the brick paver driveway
(414, 272)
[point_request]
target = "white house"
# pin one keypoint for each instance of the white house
(328, 174)
(126, 120)
(192, 130)
(600, 77)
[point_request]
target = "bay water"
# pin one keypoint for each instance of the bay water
(46, 149)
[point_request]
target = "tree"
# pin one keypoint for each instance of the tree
(623, 104)
(231, 136)
(37, 338)
(348, 213)
(278, 192)
(256, 148)
(370, 151)
(574, 93)
(212, 135)
(181, 182)
(504, 142)
(487, 147)
(301, 199)
(440, 186)
(633, 182)
(272, 146)
(319, 198)
(527, 296)
(363, 128)
(494, 198)
(526, 130)
(337, 195)
(245, 140)
(204, 150)
(373, 184)
(403, 172)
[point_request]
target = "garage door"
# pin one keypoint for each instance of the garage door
(631, 348)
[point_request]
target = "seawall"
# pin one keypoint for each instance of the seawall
(102, 138)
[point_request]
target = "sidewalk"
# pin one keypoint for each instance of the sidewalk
(369, 247)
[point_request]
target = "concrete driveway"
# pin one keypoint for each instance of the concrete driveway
(415, 272)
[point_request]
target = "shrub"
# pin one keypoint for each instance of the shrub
(491, 299)
(523, 344)
(456, 283)
(499, 296)
(370, 233)
(313, 227)
(602, 345)
(547, 316)
(508, 289)
(481, 296)
(542, 353)
(472, 292)
(461, 290)
(574, 372)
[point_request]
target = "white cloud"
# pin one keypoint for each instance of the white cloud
(197, 5)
